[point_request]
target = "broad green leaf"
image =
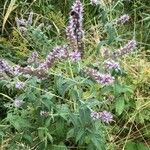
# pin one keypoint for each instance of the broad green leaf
(120, 104)
(50, 137)
(70, 133)
(80, 134)
(97, 141)
(136, 146)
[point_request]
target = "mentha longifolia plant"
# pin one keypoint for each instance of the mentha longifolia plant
(71, 53)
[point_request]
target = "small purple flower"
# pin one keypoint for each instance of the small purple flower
(123, 19)
(21, 22)
(105, 79)
(44, 113)
(18, 103)
(20, 85)
(111, 64)
(110, 98)
(94, 2)
(94, 115)
(16, 70)
(29, 22)
(75, 56)
(33, 58)
(106, 53)
(106, 116)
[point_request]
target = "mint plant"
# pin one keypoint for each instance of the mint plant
(61, 101)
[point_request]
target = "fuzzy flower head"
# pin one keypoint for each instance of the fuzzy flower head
(106, 116)
(18, 103)
(20, 85)
(75, 56)
(44, 113)
(112, 65)
(123, 19)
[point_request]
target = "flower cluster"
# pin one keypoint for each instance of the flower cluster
(57, 53)
(18, 103)
(104, 79)
(75, 56)
(123, 19)
(19, 85)
(33, 58)
(23, 23)
(112, 65)
(74, 30)
(5, 67)
(104, 116)
(94, 2)
(44, 113)
(129, 47)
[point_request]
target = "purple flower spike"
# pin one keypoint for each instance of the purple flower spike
(111, 64)
(106, 116)
(74, 30)
(104, 79)
(128, 48)
(123, 19)
(75, 56)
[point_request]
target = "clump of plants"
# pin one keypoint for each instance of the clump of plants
(62, 101)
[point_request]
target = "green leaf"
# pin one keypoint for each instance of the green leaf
(131, 146)
(120, 104)
(85, 118)
(80, 133)
(97, 141)
(70, 133)
(135, 146)
(28, 138)
(141, 146)
(50, 137)
(57, 147)
(119, 89)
